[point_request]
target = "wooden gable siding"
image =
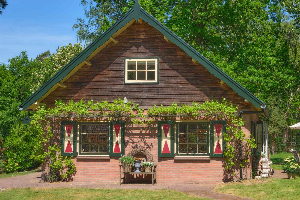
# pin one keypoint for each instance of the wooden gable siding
(180, 79)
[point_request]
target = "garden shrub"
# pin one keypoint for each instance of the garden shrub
(23, 148)
(291, 165)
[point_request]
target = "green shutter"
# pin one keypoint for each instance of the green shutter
(217, 144)
(69, 138)
(166, 141)
(117, 140)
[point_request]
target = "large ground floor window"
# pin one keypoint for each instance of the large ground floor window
(192, 138)
(94, 138)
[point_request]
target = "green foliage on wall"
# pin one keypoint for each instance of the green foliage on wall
(61, 168)
(213, 111)
(118, 110)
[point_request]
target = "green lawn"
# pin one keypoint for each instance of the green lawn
(84, 193)
(4, 175)
(270, 188)
(278, 159)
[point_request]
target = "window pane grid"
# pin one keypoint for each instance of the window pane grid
(94, 138)
(192, 138)
(141, 70)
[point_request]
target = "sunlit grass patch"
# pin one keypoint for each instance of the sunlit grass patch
(278, 159)
(85, 193)
(7, 175)
(270, 188)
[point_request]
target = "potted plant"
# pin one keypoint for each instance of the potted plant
(127, 163)
(137, 164)
(291, 167)
(147, 166)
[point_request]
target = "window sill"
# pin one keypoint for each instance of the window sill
(96, 157)
(191, 158)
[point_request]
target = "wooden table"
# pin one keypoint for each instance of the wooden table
(153, 174)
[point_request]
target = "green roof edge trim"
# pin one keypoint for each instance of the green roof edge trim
(135, 13)
(63, 72)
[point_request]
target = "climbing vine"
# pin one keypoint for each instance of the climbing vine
(48, 119)
(234, 137)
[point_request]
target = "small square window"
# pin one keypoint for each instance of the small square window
(142, 70)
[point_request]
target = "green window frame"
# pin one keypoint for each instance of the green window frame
(141, 70)
(202, 129)
(94, 139)
(73, 124)
(161, 136)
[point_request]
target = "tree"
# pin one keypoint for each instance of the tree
(50, 64)
(3, 4)
(19, 79)
(43, 55)
(15, 86)
(102, 14)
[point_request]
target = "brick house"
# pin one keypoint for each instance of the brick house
(140, 59)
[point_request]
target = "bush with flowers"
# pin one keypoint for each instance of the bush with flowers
(291, 165)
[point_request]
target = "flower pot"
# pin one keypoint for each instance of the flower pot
(127, 168)
(291, 175)
(148, 169)
(137, 166)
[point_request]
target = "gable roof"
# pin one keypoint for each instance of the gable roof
(137, 13)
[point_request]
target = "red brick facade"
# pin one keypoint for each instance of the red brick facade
(168, 169)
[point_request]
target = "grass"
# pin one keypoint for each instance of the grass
(84, 193)
(278, 159)
(7, 175)
(270, 188)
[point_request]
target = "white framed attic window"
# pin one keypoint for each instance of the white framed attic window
(141, 70)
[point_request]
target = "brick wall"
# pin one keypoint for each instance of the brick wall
(168, 169)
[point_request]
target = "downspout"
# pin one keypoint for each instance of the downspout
(245, 112)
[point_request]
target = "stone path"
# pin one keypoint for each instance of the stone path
(280, 174)
(33, 180)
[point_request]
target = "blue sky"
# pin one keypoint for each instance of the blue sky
(36, 26)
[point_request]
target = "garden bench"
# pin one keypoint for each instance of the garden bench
(153, 174)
